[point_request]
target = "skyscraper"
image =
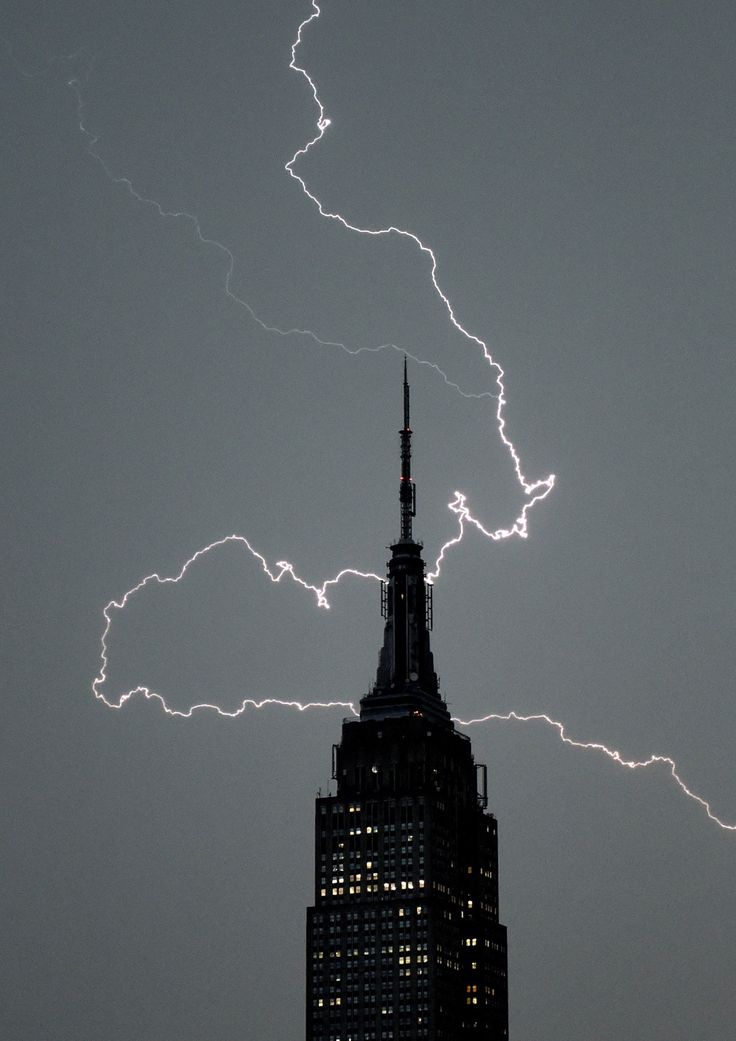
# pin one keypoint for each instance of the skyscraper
(404, 941)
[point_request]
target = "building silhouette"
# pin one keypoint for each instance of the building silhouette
(403, 940)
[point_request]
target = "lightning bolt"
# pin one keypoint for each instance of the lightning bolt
(281, 569)
(535, 491)
(538, 490)
(611, 753)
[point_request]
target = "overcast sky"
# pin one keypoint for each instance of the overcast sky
(571, 164)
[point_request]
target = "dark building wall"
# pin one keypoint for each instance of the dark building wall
(404, 940)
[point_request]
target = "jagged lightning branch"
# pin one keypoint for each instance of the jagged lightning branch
(611, 753)
(282, 568)
(538, 490)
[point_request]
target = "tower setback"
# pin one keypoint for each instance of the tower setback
(403, 940)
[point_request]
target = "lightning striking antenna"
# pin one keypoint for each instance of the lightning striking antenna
(407, 488)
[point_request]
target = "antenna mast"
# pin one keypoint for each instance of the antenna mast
(407, 488)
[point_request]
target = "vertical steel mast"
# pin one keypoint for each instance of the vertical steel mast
(407, 488)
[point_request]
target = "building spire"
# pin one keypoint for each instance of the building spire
(406, 681)
(407, 488)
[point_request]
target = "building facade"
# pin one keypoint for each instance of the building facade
(404, 940)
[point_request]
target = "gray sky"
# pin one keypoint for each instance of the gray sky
(571, 164)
